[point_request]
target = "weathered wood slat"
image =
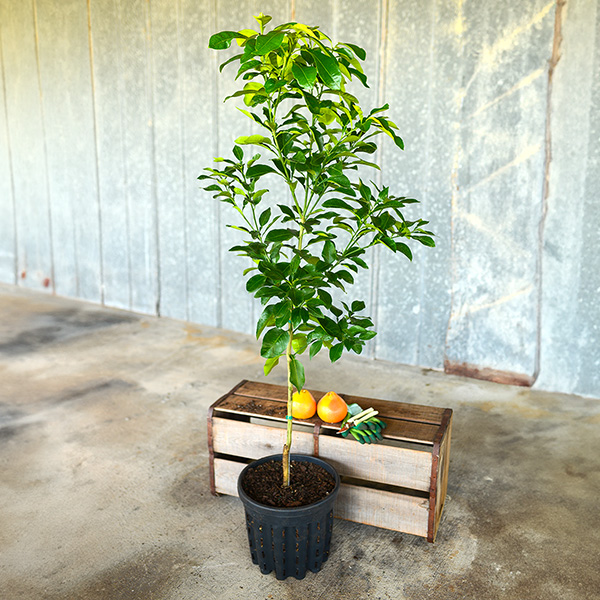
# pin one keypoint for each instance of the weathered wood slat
(254, 441)
(442, 482)
(386, 408)
(396, 429)
(384, 464)
(379, 508)
(401, 467)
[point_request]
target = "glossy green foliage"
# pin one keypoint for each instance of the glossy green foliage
(314, 135)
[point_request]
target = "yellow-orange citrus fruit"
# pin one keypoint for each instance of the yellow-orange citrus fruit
(303, 405)
(331, 408)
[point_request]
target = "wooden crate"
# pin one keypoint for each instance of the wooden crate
(399, 483)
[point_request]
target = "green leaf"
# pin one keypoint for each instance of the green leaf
(299, 344)
(244, 140)
(404, 249)
(425, 240)
(268, 42)
(263, 19)
(274, 343)
(272, 85)
(297, 374)
(266, 318)
(328, 69)
(264, 217)
(269, 364)
(315, 348)
(238, 153)
(337, 203)
(230, 60)
(360, 52)
(279, 235)
(326, 298)
(256, 171)
(255, 282)
(305, 75)
(329, 252)
(358, 305)
(282, 313)
(335, 352)
(222, 40)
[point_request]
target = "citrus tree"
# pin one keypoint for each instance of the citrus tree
(314, 136)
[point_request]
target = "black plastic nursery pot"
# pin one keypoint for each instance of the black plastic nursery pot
(289, 541)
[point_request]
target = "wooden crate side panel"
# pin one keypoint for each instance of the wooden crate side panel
(442, 483)
(354, 503)
(250, 440)
(410, 431)
(387, 408)
(384, 464)
(226, 476)
(382, 509)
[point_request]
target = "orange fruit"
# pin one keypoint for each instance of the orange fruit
(331, 408)
(303, 405)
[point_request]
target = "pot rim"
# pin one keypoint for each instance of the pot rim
(296, 509)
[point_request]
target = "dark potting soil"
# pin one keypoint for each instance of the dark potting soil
(308, 483)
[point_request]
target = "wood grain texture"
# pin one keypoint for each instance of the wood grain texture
(442, 480)
(254, 441)
(387, 408)
(397, 428)
(379, 508)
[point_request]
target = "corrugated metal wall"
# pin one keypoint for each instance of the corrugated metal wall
(109, 109)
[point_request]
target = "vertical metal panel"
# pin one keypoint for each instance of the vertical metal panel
(588, 381)
(107, 59)
(167, 109)
(8, 266)
(499, 204)
(120, 35)
(439, 182)
(69, 128)
(138, 146)
(316, 12)
(407, 90)
(26, 134)
(199, 147)
(570, 340)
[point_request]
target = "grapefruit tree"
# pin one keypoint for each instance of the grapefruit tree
(314, 136)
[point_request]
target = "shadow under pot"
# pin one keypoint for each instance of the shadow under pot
(292, 539)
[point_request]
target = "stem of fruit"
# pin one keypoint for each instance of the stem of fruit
(288, 443)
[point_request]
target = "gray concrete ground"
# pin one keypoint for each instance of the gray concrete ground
(104, 472)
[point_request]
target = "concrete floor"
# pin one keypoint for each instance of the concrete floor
(104, 480)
